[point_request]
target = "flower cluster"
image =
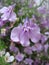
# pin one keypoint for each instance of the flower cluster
(26, 40)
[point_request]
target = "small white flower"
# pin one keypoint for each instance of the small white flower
(9, 58)
(2, 52)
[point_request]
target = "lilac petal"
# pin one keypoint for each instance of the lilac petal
(12, 17)
(28, 50)
(42, 10)
(28, 61)
(35, 36)
(5, 16)
(33, 48)
(2, 22)
(15, 34)
(46, 46)
(26, 22)
(14, 49)
(37, 47)
(45, 24)
(43, 38)
(24, 40)
(3, 10)
(19, 57)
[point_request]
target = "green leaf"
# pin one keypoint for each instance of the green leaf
(2, 45)
(2, 61)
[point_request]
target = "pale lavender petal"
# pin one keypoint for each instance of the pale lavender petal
(14, 49)
(15, 34)
(26, 22)
(33, 48)
(3, 10)
(37, 47)
(28, 50)
(35, 36)
(43, 38)
(19, 57)
(28, 61)
(45, 23)
(5, 16)
(2, 22)
(24, 40)
(46, 46)
(12, 17)
(42, 10)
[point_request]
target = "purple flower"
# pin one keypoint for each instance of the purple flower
(15, 37)
(43, 38)
(24, 33)
(14, 49)
(19, 57)
(45, 23)
(46, 46)
(28, 61)
(42, 10)
(37, 47)
(2, 22)
(8, 13)
(28, 50)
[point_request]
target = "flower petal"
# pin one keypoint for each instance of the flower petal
(24, 39)
(15, 33)
(4, 17)
(34, 36)
(3, 10)
(12, 17)
(7, 54)
(19, 57)
(10, 59)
